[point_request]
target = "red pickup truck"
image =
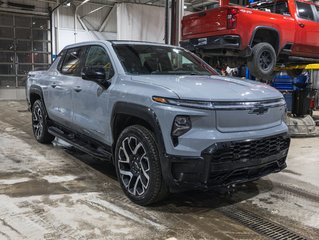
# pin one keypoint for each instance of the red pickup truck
(263, 35)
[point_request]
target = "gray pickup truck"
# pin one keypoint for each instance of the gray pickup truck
(164, 117)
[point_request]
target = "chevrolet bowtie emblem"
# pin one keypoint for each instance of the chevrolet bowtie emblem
(258, 109)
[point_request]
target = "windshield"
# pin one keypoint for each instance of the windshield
(151, 59)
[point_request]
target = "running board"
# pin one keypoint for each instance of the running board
(303, 59)
(99, 152)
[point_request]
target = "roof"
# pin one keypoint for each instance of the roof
(117, 42)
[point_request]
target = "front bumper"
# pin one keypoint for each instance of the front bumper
(228, 163)
(216, 42)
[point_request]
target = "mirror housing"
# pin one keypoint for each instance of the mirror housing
(96, 74)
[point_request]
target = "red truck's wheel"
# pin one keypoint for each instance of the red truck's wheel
(263, 61)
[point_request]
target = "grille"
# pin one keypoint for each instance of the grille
(245, 150)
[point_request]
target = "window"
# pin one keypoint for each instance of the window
(6, 32)
(60, 58)
(97, 57)
(305, 11)
(25, 43)
(152, 59)
(71, 63)
(277, 7)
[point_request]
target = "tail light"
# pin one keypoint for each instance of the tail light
(232, 18)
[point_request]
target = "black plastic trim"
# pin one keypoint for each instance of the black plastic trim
(266, 28)
(35, 89)
(80, 135)
(99, 151)
(216, 42)
(148, 115)
(194, 172)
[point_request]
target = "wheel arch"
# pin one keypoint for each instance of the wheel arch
(266, 34)
(134, 113)
(125, 114)
(35, 93)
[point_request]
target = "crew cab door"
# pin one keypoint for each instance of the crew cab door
(90, 100)
(307, 30)
(59, 100)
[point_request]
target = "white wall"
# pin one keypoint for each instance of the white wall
(140, 22)
(126, 21)
(66, 33)
(67, 36)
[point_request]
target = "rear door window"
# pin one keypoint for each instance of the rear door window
(305, 11)
(317, 10)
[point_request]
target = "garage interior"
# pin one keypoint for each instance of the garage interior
(58, 192)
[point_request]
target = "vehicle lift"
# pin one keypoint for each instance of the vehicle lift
(300, 120)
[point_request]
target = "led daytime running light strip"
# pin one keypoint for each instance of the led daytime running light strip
(221, 105)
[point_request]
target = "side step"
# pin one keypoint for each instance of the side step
(99, 152)
(302, 59)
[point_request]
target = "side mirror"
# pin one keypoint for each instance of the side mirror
(96, 74)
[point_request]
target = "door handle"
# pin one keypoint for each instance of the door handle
(53, 85)
(77, 89)
(301, 25)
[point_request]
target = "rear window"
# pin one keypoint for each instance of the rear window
(305, 11)
(276, 7)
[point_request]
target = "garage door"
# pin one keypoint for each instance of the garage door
(24, 46)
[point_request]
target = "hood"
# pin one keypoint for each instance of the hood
(212, 88)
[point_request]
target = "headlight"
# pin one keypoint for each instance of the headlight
(181, 125)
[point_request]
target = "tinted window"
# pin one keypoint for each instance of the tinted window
(71, 63)
(151, 59)
(98, 57)
(305, 11)
(277, 7)
(60, 58)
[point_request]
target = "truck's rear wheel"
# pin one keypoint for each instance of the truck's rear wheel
(263, 61)
(138, 166)
(40, 124)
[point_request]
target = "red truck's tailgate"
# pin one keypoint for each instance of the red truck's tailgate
(205, 22)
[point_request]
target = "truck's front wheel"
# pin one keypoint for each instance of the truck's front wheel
(263, 61)
(138, 166)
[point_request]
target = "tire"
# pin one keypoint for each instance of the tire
(138, 166)
(263, 61)
(40, 124)
(294, 72)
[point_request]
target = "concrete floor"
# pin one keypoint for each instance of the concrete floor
(56, 192)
